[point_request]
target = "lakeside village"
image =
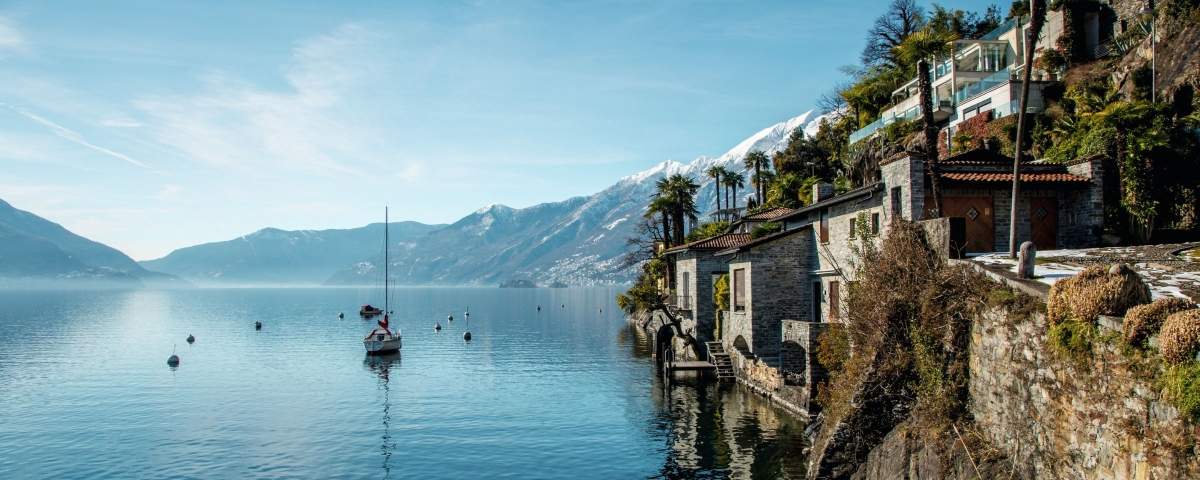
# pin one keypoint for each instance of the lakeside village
(870, 280)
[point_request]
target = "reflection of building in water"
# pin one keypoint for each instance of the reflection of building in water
(637, 340)
(382, 366)
(727, 429)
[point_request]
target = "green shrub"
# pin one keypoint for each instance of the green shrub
(706, 230)
(766, 229)
(833, 348)
(1180, 336)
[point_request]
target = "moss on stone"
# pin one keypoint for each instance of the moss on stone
(1182, 386)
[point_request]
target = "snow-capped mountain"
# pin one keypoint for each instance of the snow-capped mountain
(578, 241)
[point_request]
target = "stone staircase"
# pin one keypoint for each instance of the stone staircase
(720, 358)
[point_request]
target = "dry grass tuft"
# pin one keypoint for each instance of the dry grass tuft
(1180, 336)
(1096, 291)
(1143, 321)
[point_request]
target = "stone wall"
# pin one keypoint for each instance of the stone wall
(907, 174)
(1085, 208)
(1058, 419)
(775, 289)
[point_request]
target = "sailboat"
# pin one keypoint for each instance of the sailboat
(382, 340)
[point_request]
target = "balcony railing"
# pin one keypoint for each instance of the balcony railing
(987, 83)
(889, 118)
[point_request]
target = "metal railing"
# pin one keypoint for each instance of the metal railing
(987, 83)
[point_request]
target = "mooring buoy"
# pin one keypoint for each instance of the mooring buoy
(450, 318)
(258, 325)
(341, 315)
(437, 327)
(467, 336)
(191, 339)
(173, 361)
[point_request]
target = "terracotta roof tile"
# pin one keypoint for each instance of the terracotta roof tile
(770, 214)
(719, 242)
(1007, 177)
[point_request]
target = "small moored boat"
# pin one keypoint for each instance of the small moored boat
(369, 311)
(381, 340)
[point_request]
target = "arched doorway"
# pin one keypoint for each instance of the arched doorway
(742, 345)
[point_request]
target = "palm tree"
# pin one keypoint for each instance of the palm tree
(761, 181)
(1037, 14)
(757, 161)
(734, 180)
(663, 205)
(683, 197)
(919, 48)
(715, 172)
(785, 190)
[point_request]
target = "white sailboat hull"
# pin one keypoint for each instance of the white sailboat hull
(381, 343)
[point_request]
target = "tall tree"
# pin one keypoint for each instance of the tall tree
(902, 18)
(757, 161)
(715, 172)
(682, 191)
(1037, 13)
(921, 47)
(662, 203)
(762, 181)
(734, 180)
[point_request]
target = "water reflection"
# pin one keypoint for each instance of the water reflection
(381, 366)
(719, 430)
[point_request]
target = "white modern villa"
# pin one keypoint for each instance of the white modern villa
(983, 75)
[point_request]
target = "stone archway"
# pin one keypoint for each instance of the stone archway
(742, 345)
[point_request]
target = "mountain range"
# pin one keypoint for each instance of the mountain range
(577, 241)
(36, 251)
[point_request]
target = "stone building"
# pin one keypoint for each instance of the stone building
(1061, 206)
(695, 269)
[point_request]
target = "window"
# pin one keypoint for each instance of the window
(875, 222)
(685, 298)
(739, 289)
(897, 212)
(834, 304)
(816, 302)
(824, 226)
(852, 229)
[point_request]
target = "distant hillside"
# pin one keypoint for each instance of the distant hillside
(34, 250)
(279, 256)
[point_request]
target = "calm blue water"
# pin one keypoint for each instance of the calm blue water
(85, 391)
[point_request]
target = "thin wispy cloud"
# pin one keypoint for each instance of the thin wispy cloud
(11, 38)
(73, 136)
(232, 123)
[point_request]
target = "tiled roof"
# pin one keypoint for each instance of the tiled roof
(1007, 177)
(767, 215)
(719, 242)
(761, 240)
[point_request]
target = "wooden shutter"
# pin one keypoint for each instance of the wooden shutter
(824, 226)
(834, 304)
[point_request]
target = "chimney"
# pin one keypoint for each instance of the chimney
(822, 191)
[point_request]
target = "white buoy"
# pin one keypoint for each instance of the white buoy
(191, 339)
(437, 327)
(467, 336)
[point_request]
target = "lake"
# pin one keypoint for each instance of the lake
(568, 392)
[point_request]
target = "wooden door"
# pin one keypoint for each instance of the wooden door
(1043, 218)
(978, 212)
(835, 301)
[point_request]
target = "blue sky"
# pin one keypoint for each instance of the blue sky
(155, 125)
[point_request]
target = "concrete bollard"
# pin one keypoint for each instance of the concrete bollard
(1026, 260)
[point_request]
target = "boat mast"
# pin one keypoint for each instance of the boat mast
(385, 260)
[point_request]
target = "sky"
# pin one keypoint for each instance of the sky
(151, 125)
